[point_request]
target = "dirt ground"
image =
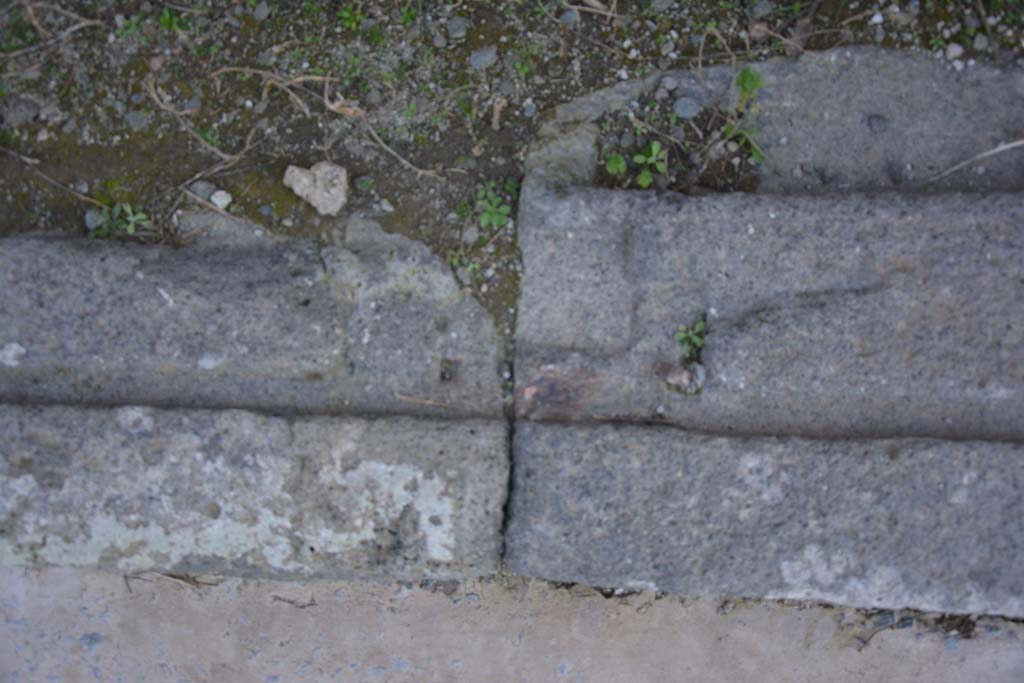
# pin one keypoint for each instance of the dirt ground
(83, 625)
(430, 106)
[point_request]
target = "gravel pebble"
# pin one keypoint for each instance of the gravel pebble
(483, 58)
(221, 199)
(457, 27)
(203, 189)
(686, 107)
(93, 219)
(954, 51)
(761, 10)
(261, 11)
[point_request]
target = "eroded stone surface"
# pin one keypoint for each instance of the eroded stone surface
(235, 493)
(880, 523)
(256, 323)
(871, 316)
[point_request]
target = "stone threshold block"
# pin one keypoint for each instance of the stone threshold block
(851, 119)
(377, 327)
(889, 315)
(917, 523)
(236, 493)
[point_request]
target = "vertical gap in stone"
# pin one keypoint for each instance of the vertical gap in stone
(510, 421)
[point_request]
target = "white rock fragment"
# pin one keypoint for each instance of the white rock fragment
(324, 185)
(954, 51)
(221, 199)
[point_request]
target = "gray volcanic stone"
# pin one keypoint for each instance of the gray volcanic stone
(856, 119)
(382, 328)
(814, 116)
(925, 524)
(882, 316)
(235, 493)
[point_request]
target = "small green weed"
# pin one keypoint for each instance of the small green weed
(408, 14)
(744, 134)
(171, 21)
(457, 258)
(311, 9)
(492, 210)
(654, 160)
(351, 17)
(691, 338)
(121, 219)
(615, 164)
(748, 83)
(18, 33)
(130, 27)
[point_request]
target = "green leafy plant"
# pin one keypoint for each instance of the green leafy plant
(311, 9)
(615, 164)
(744, 135)
(407, 14)
(457, 258)
(171, 21)
(121, 219)
(351, 17)
(492, 210)
(375, 36)
(18, 33)
(748, 83)
(654, 160)
(691, 338)
(131, 26)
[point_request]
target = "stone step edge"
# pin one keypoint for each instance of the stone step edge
(236, 493)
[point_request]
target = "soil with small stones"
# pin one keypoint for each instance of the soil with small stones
(108, 103)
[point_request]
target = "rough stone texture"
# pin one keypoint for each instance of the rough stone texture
(854, 119)
(235, 493)
(827, 316)
(324, 185)
(79, 625)
(381, 328)
(882, 523)
(882, 119)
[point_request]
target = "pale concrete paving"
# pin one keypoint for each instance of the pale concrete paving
(85, 625)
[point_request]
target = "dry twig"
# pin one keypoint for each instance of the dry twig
(31, 164)
(151, 90)
(999, 149)
(81, 23)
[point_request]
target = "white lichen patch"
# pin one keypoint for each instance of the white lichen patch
(814, 566)
(150, 545)
(209, 361)
(11, 354)
(375, 494)
(138, 488)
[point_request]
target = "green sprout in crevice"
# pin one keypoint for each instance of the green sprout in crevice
(492, 208)
(655, 159)
(688, 377)
(691, 338)
(748, 84)
(121, 219)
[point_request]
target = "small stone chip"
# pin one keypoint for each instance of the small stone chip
(324, 185)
